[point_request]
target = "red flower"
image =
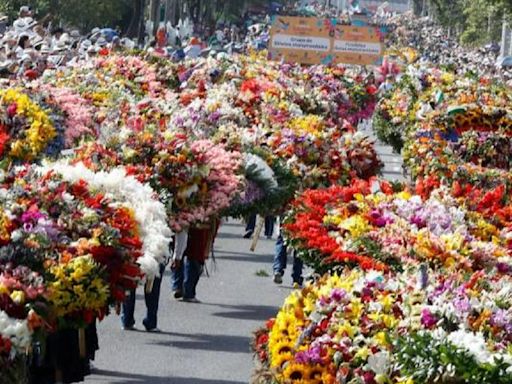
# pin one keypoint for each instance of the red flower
(12, 110)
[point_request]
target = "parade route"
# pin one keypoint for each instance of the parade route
(205, 343)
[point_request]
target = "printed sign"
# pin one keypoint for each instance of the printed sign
(309, 40)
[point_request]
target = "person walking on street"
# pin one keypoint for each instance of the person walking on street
(187, 266)
(280, 261)
(151, 297)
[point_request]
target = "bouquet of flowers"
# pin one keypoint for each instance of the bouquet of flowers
(470, 144)
(269, 186)
(25, 129)
(150, 213)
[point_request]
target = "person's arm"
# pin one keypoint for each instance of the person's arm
(180, 244)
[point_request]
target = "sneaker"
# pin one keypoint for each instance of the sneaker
(248, 234)
(190, 300)
(178, 294)
(128, 327)
(278, 278)
(154, 330)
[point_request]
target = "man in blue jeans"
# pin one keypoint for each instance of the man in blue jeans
(185, 276)
(280, 259)
(151, 298)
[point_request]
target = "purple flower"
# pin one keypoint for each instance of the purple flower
(503, 268)
(428, 319)
(462, 305)
(312, 355)
(32, 216)
(338, 294)
(418, 221)
(500, 318)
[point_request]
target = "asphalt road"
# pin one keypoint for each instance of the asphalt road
(205, 343)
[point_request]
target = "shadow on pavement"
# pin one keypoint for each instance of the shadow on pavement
(247, 312)
(199, 341)
(248, 257)
(225, 235)
(130, 378)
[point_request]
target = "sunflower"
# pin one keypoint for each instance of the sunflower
(280, 352)
(296, 373)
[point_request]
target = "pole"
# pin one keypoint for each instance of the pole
(142, 22)
(155, 15)
(504, 38)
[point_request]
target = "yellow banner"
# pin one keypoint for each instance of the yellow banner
(309, 40)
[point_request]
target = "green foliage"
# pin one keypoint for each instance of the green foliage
(83, 14)
(475, 22)
(426, 360)
(274, 200)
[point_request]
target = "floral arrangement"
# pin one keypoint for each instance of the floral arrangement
(48, 223)
(474, 142)
(382, 231)
(77, 113)
(26, 129)
(149, 213)
(269, 186)
(195, 180)
(374, 328)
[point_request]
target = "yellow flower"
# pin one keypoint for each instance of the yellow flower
(404, 195)
(362, 353)
(356, 225)
(40, 130)
(381, 339)
(18, 297)
(297, 373)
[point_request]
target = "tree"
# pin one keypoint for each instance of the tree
(82, 14)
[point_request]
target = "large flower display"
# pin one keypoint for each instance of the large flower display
(358, 226)
(371, 328)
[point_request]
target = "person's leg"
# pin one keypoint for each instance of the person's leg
(298, 266)
(177, 279)
(250, 226)
(152, 298)
(269, 226)
(193, 270)
(128, 308)
(279, 260)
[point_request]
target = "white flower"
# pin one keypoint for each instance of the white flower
(474, 343)
(150, 213)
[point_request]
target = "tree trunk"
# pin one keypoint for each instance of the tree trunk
(155, 15)
(142, 21)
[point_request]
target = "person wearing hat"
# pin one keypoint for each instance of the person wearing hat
(25, 11)
(56, 35)
(23, 45)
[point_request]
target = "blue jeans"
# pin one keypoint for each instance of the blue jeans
(186, 277)
(269, 224)
(280, 260)
(151, 299)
